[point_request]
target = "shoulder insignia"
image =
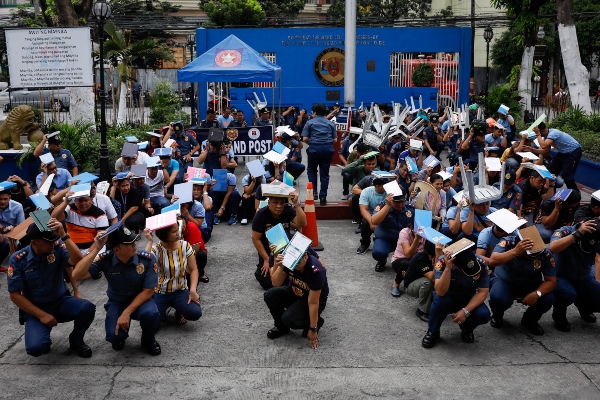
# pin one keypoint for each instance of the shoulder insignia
(144, 254)
(155, 268)
(10, 271)
(20, 255)
(552, 262)
(557, 234)
(64, 156)
(518, 196)
(439, 266)
(140, 269)
(102, 255)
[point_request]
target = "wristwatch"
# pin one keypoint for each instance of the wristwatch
(223, 208)
(67, 237)
(538, 293)
(467, 313)
(315, 329)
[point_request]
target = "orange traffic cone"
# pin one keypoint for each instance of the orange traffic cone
(310, 230)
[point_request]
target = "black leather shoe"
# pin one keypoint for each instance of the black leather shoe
(323, 202)
(152, 348)
(276, 332)
(496, 322)
(118, 345)
(533, 327)
(380, 266)
(82, 350)
(591, 318)
(422, 316)
(362, 249)
(430, 339)
(562, 325)
(466, 335)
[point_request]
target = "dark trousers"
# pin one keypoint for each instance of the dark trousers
(438, 147)
(566, 165)
(356, 207)
(346, 183)
(232, 206)
(399, 266)
(4, 250)
(585, 294)
(448, 304)
(201, 260)
(382, 248)
(289, 310)
(136, 222)
(295, 169)
(365, 233)
(206, 234)
(247, 208)
(158, 203)
(37, 335)
(183, 166)
(147, 314)
(179, 301)
(319, 158)
(264, 281)
(503, 294)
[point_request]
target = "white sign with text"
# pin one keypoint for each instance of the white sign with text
(50, 57)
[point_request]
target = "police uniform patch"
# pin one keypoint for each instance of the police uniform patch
(509, 195)
(557, 234)
(20, 255)
(502, 243)
(139, 269)
(126, 231)
(155, 268)
(537, 264)
(507, 176)
(408, 213)
(471, 264)
(51, 258)
(593, 242)
(518, 196)
(439, 265)
(10, 271)
(187, 139)
(64, 156)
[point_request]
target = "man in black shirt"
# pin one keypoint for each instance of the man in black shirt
(276, 212)
(418, 280)
(130, 200)
(588, 211)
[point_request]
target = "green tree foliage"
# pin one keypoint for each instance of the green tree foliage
(163, 108)
(233, 12)
(380, 11)
(281, 8)
(507, 95)
(151, 14)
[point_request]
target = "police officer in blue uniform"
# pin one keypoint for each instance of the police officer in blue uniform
(63, 157)
(389, 219)
(518, 276)
(264, 119)
(132, 277)
(36, 286)
(576, 250)
(186, 146)
(512, 196)
(461, 287)
(214, 155)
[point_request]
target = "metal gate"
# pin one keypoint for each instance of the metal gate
(443, 65)
(270, 57)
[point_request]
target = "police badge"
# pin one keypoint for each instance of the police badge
(139, 269)
(51, 258)
(537, 264)
(64, 156)
(126, 231)
(408, 213)
(509, 195)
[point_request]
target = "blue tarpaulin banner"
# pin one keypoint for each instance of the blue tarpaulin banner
(249, 141)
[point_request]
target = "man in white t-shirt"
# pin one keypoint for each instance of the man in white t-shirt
(210, 94)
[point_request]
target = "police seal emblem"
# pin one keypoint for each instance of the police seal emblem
(51, 258)
(10, 271)
(126, 231)
(507, 176)
(408, 213)
(187, 138)
(64, 156)
(537, 264)
(471, 264)
(509, 195)
(139, 269)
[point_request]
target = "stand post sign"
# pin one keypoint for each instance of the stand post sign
(249, 141)
(50, 57)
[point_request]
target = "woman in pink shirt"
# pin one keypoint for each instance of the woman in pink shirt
(408, 245)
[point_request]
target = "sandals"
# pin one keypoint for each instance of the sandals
(180, 319)
(203, 279)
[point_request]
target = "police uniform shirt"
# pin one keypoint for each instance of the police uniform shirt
(264, 122)
(320, 132)
(491, 141)
(563, 142)
(12, 214)
(264, 220)
(450, 215)
(474, 149)
(408, 153)
(39, 278)
(431, 136)
(62, 177)
(418, 266)
(389, 229)
(236, 124)
(565, 215)
(126, 281)
(198, 211)
(186, 142)
(511, 199)
(522, 270)
(487, 240)
(504, 122)
(246, 182)
(345, 148)
(313, 277)
(64, 159)
(210, 124)
(478, 226)
(294, 152)
(532, 197)
(403, 182)
(574, 263)
(463, 286)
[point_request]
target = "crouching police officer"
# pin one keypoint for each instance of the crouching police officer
(577, 250)
(132, 277)
(519, 277)
(35, 282)
(461, 287)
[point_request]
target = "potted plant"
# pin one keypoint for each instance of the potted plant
(423, 75)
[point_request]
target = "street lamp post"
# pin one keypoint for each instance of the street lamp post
(191, 41)
(488, 35)
(101, 11)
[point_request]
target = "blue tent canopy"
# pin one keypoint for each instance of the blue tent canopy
(230, 61)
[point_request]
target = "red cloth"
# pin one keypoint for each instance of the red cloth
(193, 236)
